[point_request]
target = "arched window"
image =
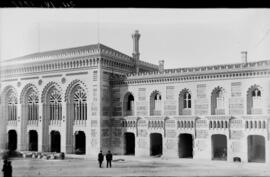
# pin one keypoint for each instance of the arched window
(129, 104)
(55, 105)
(12, 107)
(32, 106)
(217, 102)
(80, 104)
(254, 100)
(185, 102)
(155, 104)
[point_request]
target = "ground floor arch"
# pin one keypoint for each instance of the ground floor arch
(156, 144)
(185, 145)
(55, 141)
(80, 142)
(129, 140)
(219, 147)
(33, 140)
(12, 140)
(256, 148)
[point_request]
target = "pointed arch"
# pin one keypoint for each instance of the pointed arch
(27, 88)
(218, 101)
(48, 88)
(128, 104)
(184, 102)
(254, 99)
(155, 103)
(75, 83)
(6, 92)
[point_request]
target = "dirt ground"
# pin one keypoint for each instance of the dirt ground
(135, 166)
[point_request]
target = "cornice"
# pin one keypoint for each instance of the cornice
(192, 78)
(204, 70)
(253, 70)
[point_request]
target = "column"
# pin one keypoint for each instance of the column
(40, 119)
(3, 125)
(63, 128)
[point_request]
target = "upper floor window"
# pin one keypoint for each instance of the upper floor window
(12, 107)
(32, 106)
(185, 102)
(254, 100)
(155, 103)
(55, 105)
(128, 104)
(217, 101)
(80, 104)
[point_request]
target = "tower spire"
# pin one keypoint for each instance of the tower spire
(136, 54)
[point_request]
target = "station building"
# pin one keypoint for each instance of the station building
(91, 98)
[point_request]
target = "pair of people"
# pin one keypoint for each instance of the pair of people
(108, 159)
(7, 168)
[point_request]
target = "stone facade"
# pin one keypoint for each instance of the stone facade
(84, 99)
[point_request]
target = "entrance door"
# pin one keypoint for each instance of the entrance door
(12, 140)
(80, 142)
(256, 148)
(33, 140)
(155, 144)
(55, 141)
(219, 147)
(185, 146)
(129, 144)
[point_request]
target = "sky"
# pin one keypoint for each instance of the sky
(180, 37)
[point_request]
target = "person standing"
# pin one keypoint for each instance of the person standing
(5, 168)
(9, 169)
(109, 159)
(100, 159)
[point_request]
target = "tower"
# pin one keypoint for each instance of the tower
(136, 54)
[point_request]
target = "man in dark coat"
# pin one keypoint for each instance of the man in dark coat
(7, 168)
(100, 158)
(109, 159)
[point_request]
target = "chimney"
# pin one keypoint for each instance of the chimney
(136, 36)
(244, 57)
(161, 66)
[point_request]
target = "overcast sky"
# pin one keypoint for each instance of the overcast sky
(181, 37)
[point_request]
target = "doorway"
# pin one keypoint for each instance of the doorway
(55, 141)
(33, 140)
(12, 140)
(79, 142)
(219, 147)
(155, 144)
(256, 148)
(129, 143)
(185, 146)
